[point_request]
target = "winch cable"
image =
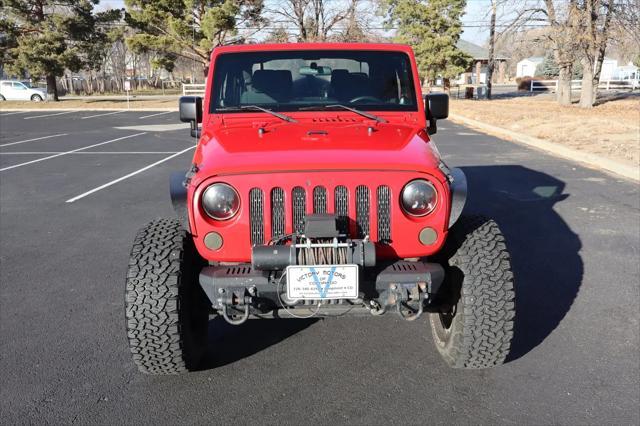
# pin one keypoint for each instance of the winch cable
(321, 255)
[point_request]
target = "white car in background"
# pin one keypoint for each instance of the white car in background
(11, 90)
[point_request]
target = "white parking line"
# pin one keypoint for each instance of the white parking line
(466, 134)
(85, 152)
(120, 179)
(106, 113)
(34, 139)
(153, 115)
(4, 114)
(69, 152)
(49, 115)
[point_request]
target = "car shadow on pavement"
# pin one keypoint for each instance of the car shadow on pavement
(247, 339)
(544, 250)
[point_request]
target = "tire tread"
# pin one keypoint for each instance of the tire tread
(152, 298)
(482, 332)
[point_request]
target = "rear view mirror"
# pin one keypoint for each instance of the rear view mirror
(191, 112)
(317, 70)
(436, 106)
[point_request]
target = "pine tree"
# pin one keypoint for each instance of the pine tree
(45, 37)
(432, 28)
(186, 28)
(548, 67)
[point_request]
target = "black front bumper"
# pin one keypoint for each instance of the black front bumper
(241, 290)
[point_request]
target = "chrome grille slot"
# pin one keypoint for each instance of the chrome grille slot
(277, 213)
(362, 211)
(299, 203)
(319, 199)
(256, 216)
(341, 208)
(383, 202)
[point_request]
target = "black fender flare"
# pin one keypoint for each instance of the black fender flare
(178, 191)
(458, 190)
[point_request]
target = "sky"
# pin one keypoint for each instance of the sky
(475, 19)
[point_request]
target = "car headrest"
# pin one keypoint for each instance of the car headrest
(339, 75)
(272, 81)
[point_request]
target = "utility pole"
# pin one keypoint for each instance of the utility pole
(193, 57)
(492, 47)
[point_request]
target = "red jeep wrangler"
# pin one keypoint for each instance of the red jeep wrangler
(315, 191)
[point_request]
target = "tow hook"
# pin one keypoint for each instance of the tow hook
(408, 300)
(375, 308)
(238, 297)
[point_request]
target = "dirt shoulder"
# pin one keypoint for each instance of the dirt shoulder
(88, 103)
(611, 129)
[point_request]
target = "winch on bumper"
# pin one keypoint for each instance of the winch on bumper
(259, 290)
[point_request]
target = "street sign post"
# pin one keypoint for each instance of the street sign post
(127, 88)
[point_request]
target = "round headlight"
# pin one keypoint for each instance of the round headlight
(220, 201)
(418, 198)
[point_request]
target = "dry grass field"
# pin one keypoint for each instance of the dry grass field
(611, 129)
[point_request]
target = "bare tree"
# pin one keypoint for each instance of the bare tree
(593, 38)
(562, 19)
(314, 20)
(563, 41)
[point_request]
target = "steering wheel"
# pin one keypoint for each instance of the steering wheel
(364, 99)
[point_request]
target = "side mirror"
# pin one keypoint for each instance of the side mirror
(191, 112)
(190, 109)
(436, 106)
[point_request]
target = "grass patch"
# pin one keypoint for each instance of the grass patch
(610, 129)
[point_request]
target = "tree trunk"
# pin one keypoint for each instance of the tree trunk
(587, 91)
(563, 95)
(52, 88)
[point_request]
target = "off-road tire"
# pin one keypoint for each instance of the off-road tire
(477, 331)
(36, 98)
(165, 307)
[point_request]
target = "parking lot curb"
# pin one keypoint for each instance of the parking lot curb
(588, 159)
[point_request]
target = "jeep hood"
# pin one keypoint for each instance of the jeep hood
(313, 145)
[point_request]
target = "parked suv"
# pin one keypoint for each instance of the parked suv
(315, 190)
(18, 91)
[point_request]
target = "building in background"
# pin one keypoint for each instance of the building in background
(627, 72)
(477, 72)
(527, 66)
(610, 69)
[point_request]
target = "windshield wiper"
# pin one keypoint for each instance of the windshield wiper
(259, 108)
(348, 108)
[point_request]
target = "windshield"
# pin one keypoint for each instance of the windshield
(302, 80)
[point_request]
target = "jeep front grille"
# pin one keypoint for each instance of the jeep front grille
(256, 215)
(383, 196)
(319, 199)
(277, 211)
(299, 201)
(362, 211)
(342, 197)
(341, 208)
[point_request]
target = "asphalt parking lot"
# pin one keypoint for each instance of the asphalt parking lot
(75, 187)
